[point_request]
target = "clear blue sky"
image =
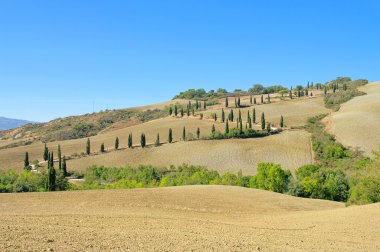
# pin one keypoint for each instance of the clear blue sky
(58, 57)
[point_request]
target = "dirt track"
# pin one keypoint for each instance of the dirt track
(182, 219)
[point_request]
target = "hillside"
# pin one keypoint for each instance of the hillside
(9, 123)
(184, 219)
(356, 124)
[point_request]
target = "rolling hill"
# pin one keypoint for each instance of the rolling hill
(184, 219)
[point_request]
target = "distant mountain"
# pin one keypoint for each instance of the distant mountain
(8, 123)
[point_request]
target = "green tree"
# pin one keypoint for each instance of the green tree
(281, 121)
(290, 94)
(182, 112)
(46, 153)
(226, 102)
(268, 98)
(254, 100)
(205, 105)
(227, 129)
(268, 127)
(88, 146)
(240, 116)
(262, 99)
(250, 99)
(26, 160)
(213, 129)
(240, 127)
(64, 166)
(184, 134)
(51, 176)
(196, 105)
(249, 121)
(130, 141)
(117, 143)
(188, 111)
(170, 111)
(215, 117)
(223, 116)
(170, 136)
(59, 157)
(102, 150)
(231, 116)
(143, 140)
(325, 90)
(193, 111)
(254, 115)
(157, 143)
(238, 102)
(175, 110)
(262, 121)
(198, 133)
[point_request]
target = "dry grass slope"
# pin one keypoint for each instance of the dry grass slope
(357, 122)
(183, 219)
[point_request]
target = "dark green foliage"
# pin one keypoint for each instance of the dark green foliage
(271, 177)
(290, 94)
(46, 153)
(196, 104)
(64, 166)
(130, 141)
(198, 133)
(175, 110)
(249, 121)
(223, 116)
(238, 102)
(117, 143)
(182, 112)
(26, 160)
(239, 116)
(88, 146)
(254, 100)
(366, 191)
(268, 127)
(193, 111)
(59, 157)
(102, 149)
(262, 99)
(227, 128)
(188, 111)
(213, 129)
(170, 136)
(334, 100)
(143, 140)
(192, 94)
(281, 121)
(231, 116)
(226, 103)
(204, 105)
(51, 175)
(23, 181)
(184, 134)
(250, 99)
(262, 121)
(170, 110)
(268, 98)
(254, 115)
(237, 133)
(157, 143)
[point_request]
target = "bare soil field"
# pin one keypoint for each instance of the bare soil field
(357, 122)
(291, 149)
(191, 218)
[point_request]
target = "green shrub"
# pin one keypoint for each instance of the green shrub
(271, 177)
(366, 191)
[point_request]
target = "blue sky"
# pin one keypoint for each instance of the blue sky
(57, 58)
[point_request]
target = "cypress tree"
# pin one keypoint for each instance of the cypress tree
(170, 136)
(143, 140)
(189, 105)
(88, 147)
(249, 121)
(254, 100)
(170, 110)
(52, 159)
(175, 110)
(198, 133)
(325, 90)
(238, 103)
(213, 129)
(282, 122)
(196, 105)
(201, 115)
(268, 127)
(334, 88)
(59, 157)
(64, 166)
(235, 102)
(157, 143)
(227, 129)
(188, 111)
(262, 99)
(117, 143)
(241, 127)
(204, 105)
(26, 160)
(130, 141)
(231, 115)
(268, 98)
(239, 115)
(193, 111)
(308, 86)
(182, 112)
(226, 102)
(215, 117)
(223, 116)
(262, 121)
(102, 150)
(250, 99)
(46, 153)
(307, 92)
(254, 115)
(51, 178)
(184, 134)
(290, 94)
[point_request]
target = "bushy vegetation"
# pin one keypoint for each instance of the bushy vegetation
(201, 94)
(237, 133)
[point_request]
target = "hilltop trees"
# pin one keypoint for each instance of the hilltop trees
(170, 136)
(262, 121)
(46, 153)
(143, 140)
(130, 141)
(26, 160)
(88, 146)
(117, 143)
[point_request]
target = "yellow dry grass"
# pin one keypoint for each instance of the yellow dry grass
(291, 149)
(191, 218)
(357, 122)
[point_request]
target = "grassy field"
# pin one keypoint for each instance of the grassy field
(295, 112)
(183, 219)
(291, 149)
(356, 124)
